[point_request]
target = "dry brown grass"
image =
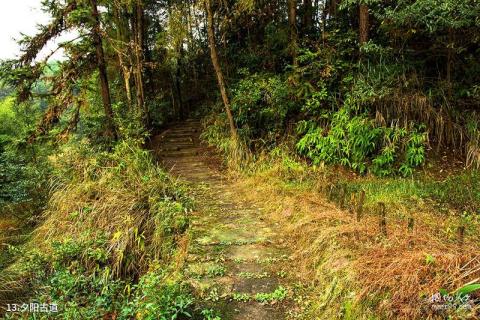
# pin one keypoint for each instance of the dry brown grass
(405, 107)
(125, 204)
(351, 261)
(445, 130)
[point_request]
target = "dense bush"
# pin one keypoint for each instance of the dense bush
(23, 169)
(261, 103)
(357, 142)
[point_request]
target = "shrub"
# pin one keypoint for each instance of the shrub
(260, 105)
(123, 214)
(357, 142)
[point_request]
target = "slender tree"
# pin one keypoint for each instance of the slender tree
(332, 8)
(292, 22)
(364, 24)
(121, 46)
(218, 69)
(307, 18)
(102, 71)
(138, 36)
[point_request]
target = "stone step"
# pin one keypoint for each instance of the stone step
(179, 134)
(176, 155)
(179, 139)
(177, 148)
(181, 144)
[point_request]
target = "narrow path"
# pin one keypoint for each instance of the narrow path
(234, 263)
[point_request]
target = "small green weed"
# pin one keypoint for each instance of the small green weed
(210, 314)
(215, 271)
(278, 295)
(241, 297)
(252, 275)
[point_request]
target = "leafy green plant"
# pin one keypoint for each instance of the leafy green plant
(349, 141)
(278, 295)
(357, 142)
(468, 289)
(429, 259)
(215, 270)
(210, 314)
(252, 275)
(154, 299)
(241, 297)
(260, 104)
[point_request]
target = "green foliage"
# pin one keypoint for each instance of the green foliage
(153, 299)
(279, 294)
(468, 289)
(435, 15)
(23, 169)
(126, 216)
(83, 287)
(15, 185)
(357, 142)
(349, 141)
(241, 297)
(429, 259)
(210, 314)
(460, 191)
(216, 131)
(260, 104)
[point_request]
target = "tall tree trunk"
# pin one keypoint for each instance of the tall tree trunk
(137, 25)
(364, 24)
(292, 22)
(102, 72)
(191, 44)
(127, 74)
(149, 80)
(450, 53)
(307, 19)
(178, 83)
(324, 21)
(332, 8)
(122, 51)
(218, 69)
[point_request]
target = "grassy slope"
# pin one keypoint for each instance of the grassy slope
(109, 239)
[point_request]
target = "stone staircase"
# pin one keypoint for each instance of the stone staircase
(234, 264)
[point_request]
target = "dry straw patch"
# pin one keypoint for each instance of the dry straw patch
(445, 128)
(130, 201)
(351, 262)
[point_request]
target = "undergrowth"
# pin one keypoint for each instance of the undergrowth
(357, 271)
(107, 247)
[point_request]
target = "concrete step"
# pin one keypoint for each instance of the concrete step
(179, 153)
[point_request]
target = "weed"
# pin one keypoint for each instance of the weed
(270, 260)
(278, 295)
(239, 260)
(241, 297)
(213, 295)
(251, 275)
(215, 271)
(210, 314)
